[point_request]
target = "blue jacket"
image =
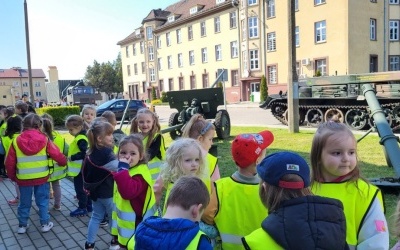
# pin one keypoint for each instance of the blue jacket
(160, 233)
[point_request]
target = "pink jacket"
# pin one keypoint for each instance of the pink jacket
(30, 142)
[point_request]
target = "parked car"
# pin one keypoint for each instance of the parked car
(117, 106)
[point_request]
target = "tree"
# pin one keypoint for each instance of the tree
(153, 93)
(263, 89)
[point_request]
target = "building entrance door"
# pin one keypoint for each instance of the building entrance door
(255, 92)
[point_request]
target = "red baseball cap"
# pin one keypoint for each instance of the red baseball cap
(246, 148)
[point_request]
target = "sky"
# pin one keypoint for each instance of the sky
(68, 34)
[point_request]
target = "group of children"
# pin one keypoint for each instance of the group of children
(175, 199)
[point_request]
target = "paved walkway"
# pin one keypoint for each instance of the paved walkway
(67, 233)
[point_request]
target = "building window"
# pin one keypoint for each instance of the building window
(128, 69)
(135, 71)
(394, 30)
(271, 41)
(192, 82)
(143, 67)
(159, 62)
(152, 73)
(235, 77)
(270, 8)
(394, 63)
(180, 60)
(181, 83)
(272, 76)
(372, 29)
(134, 49)
(320, 31)
(296, 4)
(253, 27)
(320, 65)
(318, 2)
(191, 57)
(244, 58)
(169, 58)
(149, 32)
(171, 84)
(234, 49)
(16, 84)
(158, 42)
(151, 53)
(373, 1)
(178, 36)
(168, 37)
(394, 1)
(203, 30)
(37, 84)
(253, 59)
(25, 84)
(161, 85)
(251, 2)
(218, 52)
(190, 32)
(232, 20)
(217, 25)
(204, 57)
(127, 51)
(141, 47)
(204, 79)
(297, 36)
(38, 93)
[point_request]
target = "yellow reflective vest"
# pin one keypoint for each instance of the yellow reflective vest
(58, 172)
(154, 164)
(240, 211)
(124, 217)
(3, 128)
(74, 167)
(6, 142)
(31, 166)
(260, 240)
(356, 197)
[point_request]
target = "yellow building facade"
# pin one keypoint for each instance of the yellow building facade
(183, 46)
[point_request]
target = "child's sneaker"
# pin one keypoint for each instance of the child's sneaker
(47, 227)
(114, 244)
(89, 246)
(79, 212)
(89, 208)
(22, 229)
(57, 207)
(104, 223)
(14, 201)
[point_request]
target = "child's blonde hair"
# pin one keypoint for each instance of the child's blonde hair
(154, 130)
(197, 126)
(110, 116)
(32, 121)
(137, 140)
(172, 169)
(98, 128)
(324, 131)
(85, 108)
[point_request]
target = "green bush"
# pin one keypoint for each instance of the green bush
(164, 97)
(263, 89)
(153, 93)
(59, 113)
(156, 101)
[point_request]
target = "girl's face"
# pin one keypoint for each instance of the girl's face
(74, 130)
(339, 156)
(191, 161)
(130, 152)
(206, 140)
(145, 123)
(88, 115)
(106, 141)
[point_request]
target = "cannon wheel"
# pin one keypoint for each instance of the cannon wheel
(222, 124)
(173, 120)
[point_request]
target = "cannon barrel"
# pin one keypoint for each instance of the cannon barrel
(172, 128)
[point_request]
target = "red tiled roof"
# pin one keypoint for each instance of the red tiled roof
(16, 73)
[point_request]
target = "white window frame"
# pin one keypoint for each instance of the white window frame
(203, 29)
(178, 36)
(320, 31)
(168, 38)
(127, 51)
(271, 8)
(135, 70)
(151, 53)
(149, 33)
(128, 70)
(159, 62)
(141, 47)
(297, 36)
(254, 59)
(394, 63)
(251, 2)
(204, 56)
(234, 49)
(320, 64)
(232, 20)
(218, 52)
(159, 42)
(134, 49)
(272, 74)
(152, 73)
(296, 4)
(190, 32)
(372, 29)
(37, 84)
(169, 59)
(38, 93)
(253, 27)
(217, 24)
(318, 2)
(394, 30)
(180, 60)
(271, 41)
(191, 57)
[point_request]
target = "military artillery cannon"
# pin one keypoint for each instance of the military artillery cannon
(197, 101)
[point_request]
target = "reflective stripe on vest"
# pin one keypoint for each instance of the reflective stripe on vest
(58, 172)
(356, 197)
(260, 240)
(123, 216)
(155, 164)
(31, 166)
(74, 167)
(244, 197)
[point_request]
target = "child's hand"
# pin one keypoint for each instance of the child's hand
(126, 159)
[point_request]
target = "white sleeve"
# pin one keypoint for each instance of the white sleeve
(374, 233)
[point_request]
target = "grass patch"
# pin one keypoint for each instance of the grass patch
(372, 159)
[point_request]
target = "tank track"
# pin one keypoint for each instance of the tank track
(278, 110)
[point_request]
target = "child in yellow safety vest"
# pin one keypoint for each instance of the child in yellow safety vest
(336, 174)
(58, 172)
(146, 123)
(133, 192)
(5, 113)
(297, 219)
(178, 228)
(27, 164)
(236, 196)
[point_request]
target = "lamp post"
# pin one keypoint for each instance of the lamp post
(28, 52)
